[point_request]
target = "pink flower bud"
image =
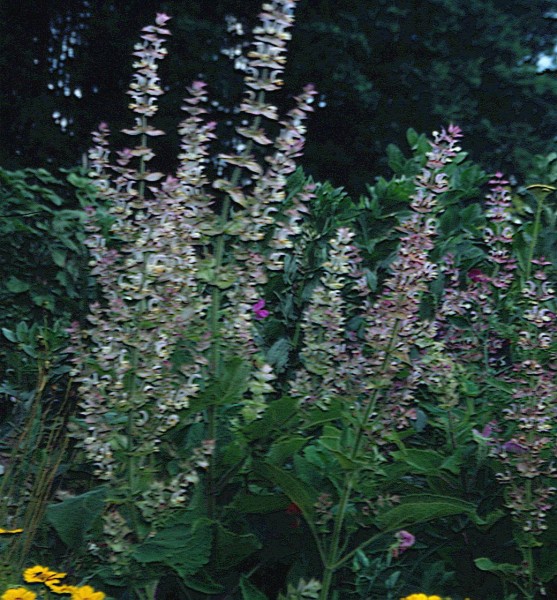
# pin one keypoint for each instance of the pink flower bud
(162, 18)
(259, 310)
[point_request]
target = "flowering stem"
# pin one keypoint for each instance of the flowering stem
(540, 197)
(130, 467)
(216, 298)
(333, 560)
(529, 555)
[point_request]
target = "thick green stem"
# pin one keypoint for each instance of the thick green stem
(130, 427)
(540, 197)
(215, 363)
(528, 551)
(330, 565)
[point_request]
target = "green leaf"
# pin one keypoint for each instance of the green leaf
(485, 564)
(452, 463)
(232, 548)
(487, 521)
(22, 331)
(249, 591)
(58, 256)
(277, 414)
(421, 509)
(277, 355)
(423, 461)
(52, 196)
(282, 450)
(412, 138)
(186, 549)
(470, 388)
(202, 583)
(299, 492)
(547, 564)
(231, 386)
(396, 159)
(16, 286)
(73, 518)
(43, 175)
(234, 452)
(9, 334)
(318, 416)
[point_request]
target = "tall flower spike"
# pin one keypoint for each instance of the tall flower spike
(331, 366)
(393, 324)
(477, 298)
(265, 64)
(269, 190)
(150, 289)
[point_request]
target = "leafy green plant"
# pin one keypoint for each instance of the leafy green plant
(276, 381)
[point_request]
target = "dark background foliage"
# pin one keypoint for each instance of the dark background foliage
(380, 66)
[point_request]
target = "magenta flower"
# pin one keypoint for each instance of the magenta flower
(259, 310)
(404, 541)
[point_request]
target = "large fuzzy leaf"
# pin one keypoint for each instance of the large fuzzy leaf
(185, 549)
(74, 517)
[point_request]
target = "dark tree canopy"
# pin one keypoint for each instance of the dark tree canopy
(381, 67)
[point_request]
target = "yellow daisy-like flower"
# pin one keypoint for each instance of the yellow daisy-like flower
(421, 597)
(18, 594)
(86, 592)
(40, 574)
(60, 588)
(9, 531)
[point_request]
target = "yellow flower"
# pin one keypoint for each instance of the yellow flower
(18, 594)
(60, 588)
(10, 531)
(86, 592)
(421, 597)
(39, 574)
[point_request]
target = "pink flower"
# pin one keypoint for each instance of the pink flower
(476, 275)
(259, 310)
(198, 85)
(514, 447)
(162, 18)
(455, 131)
(404, 541)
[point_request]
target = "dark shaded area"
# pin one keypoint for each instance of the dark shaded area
(380, 66)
